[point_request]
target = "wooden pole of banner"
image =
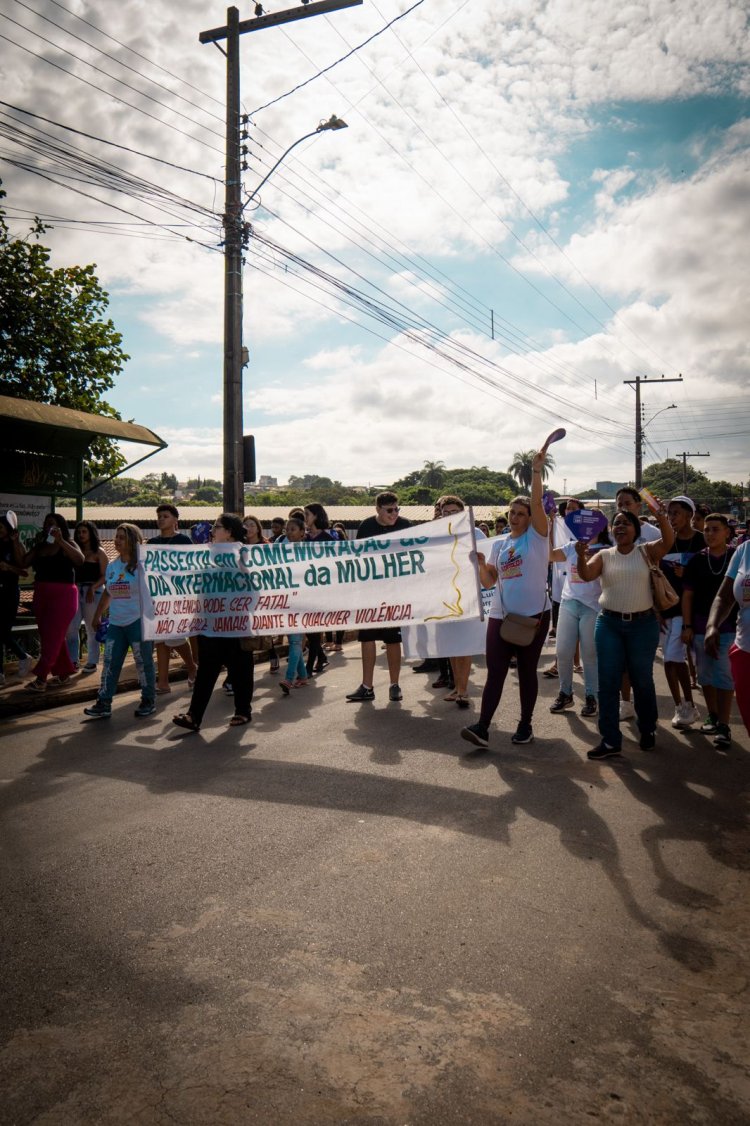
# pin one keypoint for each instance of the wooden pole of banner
(476, 565)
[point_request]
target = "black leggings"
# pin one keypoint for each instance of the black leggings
(213, 652)
(499, 653)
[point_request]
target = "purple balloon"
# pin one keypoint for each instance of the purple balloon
(586, 523)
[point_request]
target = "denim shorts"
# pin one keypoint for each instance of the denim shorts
(714, 672)
(672, 645)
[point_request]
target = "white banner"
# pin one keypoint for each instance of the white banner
(456, 638)
(233, 590)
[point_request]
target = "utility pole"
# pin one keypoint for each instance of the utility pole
(639, 379)
(236, 231)
(685, 455)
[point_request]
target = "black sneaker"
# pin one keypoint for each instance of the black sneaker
(523, 733)
(227, 686)
(723, 738)
(428, 665)
(362, 693)
(711, 724)
(146, 707)
(394, 694)
(602, 751)
(589, 708)
(477, 734)
(562, 703)
(648, 741)
(98, 710)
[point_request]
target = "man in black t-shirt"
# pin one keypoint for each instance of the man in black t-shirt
(680, 512)
(167, 517)
(386, 519)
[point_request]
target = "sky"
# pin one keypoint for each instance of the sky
(533, 204)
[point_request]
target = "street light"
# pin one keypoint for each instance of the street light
(236, 232)
(332, 123)
(671, 407)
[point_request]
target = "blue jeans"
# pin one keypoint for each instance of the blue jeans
(576, 621)
(626, 646)
(119, 640)
(296, 668)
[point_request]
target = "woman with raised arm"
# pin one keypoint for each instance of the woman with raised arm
(517, 567)
(627, 629)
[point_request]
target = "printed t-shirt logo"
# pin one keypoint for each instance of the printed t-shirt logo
(120, 588)
(511, 566)
(746, 592)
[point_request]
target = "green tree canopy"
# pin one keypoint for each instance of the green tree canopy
(56, 344)
(665, 478)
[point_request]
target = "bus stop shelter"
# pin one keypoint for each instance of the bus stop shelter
(45, 447)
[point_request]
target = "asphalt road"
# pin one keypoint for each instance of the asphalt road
(342, 915)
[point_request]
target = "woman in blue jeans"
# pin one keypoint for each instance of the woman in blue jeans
(121, 602)
(627, 629)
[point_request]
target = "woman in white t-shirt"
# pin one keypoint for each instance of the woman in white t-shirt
(735, 589)
(576, 620)
(517, 567)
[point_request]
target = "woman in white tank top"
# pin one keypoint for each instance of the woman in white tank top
(627, 629)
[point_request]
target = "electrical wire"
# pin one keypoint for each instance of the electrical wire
(349, 54)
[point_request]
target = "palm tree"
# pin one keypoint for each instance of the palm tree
(521, 467)
(433, 474)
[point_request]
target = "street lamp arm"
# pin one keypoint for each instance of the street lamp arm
(671, 407)
(332, 123)
(268, 175)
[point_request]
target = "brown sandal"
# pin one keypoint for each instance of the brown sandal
(184, 719)
(239, 720)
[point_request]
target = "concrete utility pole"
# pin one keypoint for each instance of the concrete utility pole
(685, 455)
(236, 231)
(639, 379)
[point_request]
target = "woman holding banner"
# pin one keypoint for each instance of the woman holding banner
(215, 652)
(519, 617)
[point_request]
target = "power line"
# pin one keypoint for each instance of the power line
(139, 55)
(109, 93)
(349, 54)
(113, 144)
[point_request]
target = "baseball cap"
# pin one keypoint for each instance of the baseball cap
(684, 500)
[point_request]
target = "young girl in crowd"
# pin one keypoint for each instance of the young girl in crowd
(122, 599)
(90, 577)
(296, 670)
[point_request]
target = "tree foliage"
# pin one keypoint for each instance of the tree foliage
(665, 479)
(56, 344)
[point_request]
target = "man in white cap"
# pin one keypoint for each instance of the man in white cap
(687, 542)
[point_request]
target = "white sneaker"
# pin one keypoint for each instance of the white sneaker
(627, 711)
(684, 715)
(690, 713)
(25, 666)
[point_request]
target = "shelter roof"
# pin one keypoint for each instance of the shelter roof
(29, 425)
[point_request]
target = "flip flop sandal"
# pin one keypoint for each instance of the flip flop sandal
(451, 696)
(239, 720)
(285, 686)
(186, 721)
(462, 701)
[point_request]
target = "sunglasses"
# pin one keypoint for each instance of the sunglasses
(392, 509)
